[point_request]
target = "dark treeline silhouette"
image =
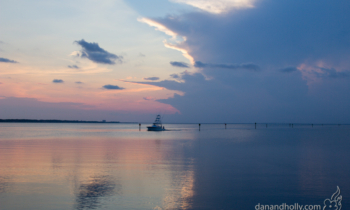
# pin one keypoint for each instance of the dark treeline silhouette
(51, 121)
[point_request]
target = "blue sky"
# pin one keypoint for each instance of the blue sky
(192, 60)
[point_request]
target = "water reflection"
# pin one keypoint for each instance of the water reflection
(91, 193)
(211, 169)
(4, 184)
(273, 167)
(179, 196)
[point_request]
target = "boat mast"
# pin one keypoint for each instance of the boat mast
(158, 121)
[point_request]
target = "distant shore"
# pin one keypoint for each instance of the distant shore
(51, 121)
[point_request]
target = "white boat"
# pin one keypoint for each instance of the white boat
(157, 125)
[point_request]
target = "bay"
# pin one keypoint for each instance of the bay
(118, 166)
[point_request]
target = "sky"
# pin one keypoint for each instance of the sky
(192, 61)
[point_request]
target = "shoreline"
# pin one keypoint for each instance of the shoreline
(52, 121)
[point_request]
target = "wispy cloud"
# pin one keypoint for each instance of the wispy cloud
(5, 60)
(179, 64)
(185, 53)
(217, 6)
(175, 76)
(151, 78)
(112, 87)
(149, 98)
(332, 73)
(158, 26)
(73, 67)
(95, 53)
(78, 82)
(288, 69)
(176, 39)
(57, 81)
(247, 66)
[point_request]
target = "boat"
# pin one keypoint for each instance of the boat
(157, 125)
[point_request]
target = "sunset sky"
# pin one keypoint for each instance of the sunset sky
(233, 61)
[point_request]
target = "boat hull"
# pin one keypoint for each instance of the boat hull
(155, 128)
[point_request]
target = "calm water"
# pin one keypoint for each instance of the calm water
(116, 166)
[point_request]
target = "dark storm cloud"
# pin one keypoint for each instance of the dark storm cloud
(288, 69)
(247, 66)
(95, 53)
(73, 67)
(179, 64)
(57, 81)
(5, 60)
(112, 87)
(151, 78)
(275, 98)
(270, 36)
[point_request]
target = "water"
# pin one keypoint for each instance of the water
(116, 166)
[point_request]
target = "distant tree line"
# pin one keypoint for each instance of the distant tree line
(52, 121)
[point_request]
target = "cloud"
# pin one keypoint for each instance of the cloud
(270, 36)
(218, 6)
(78, 82)
(95, 53)
(148, 98)
(73, 67)
(247, 66)
(180, 48)
(158, 26)
(175, 38)
(193, 82)
(179, 64)
(175, 76)
(151, 78)
(332, 73)
(280, 39)
(238, 97)
(5, 60)
(57, 81)
(112, 87)
(288, 69)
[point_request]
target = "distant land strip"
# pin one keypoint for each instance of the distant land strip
(52, 121)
